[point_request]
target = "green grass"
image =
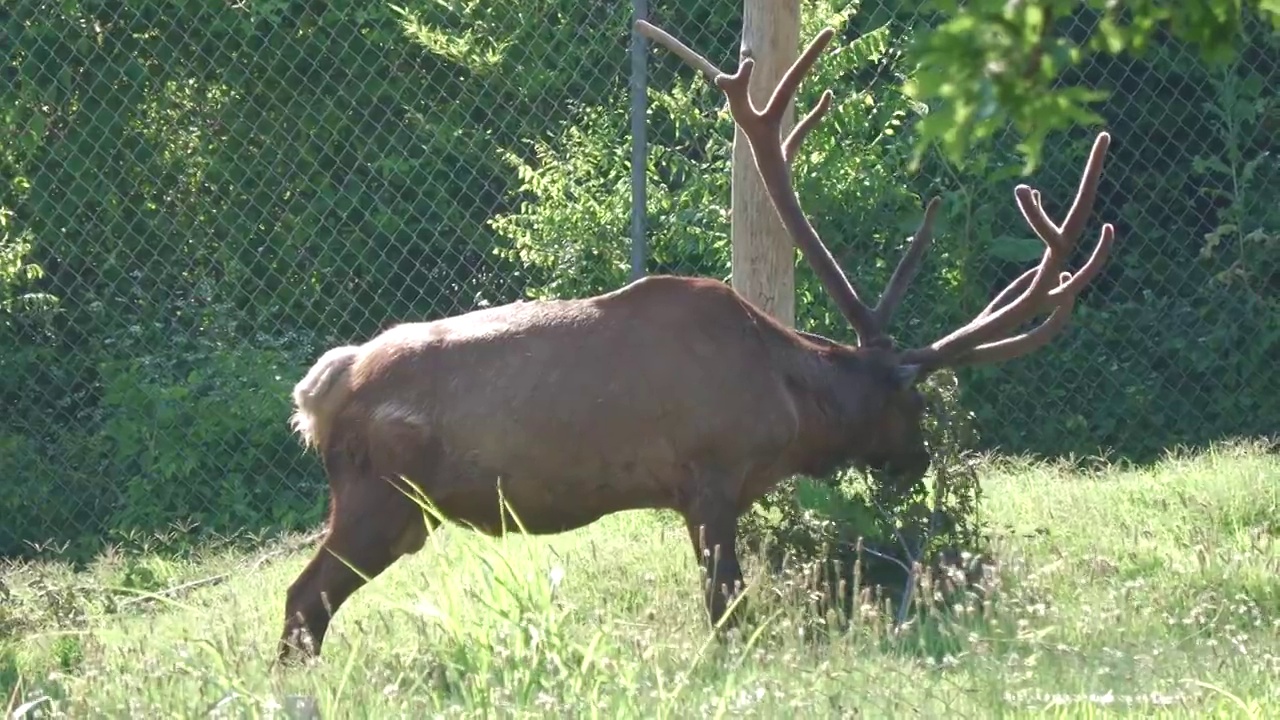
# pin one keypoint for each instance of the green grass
(1150, 591)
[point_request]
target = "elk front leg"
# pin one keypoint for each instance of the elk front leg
(712, 521)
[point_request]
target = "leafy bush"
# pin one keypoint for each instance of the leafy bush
(196, 439)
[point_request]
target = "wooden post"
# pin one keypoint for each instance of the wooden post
(763, 257)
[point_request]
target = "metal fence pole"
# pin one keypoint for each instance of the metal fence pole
(639, 141)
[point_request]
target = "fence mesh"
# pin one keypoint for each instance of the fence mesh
(200, 198)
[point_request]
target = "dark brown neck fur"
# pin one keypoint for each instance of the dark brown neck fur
(839, 391)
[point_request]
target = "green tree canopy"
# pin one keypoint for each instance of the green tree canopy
(993, 62)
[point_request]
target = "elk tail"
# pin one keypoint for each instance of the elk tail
(318, 395)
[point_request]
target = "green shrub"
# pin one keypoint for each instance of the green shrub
(195, 439)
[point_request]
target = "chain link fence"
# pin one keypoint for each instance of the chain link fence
(200, 198)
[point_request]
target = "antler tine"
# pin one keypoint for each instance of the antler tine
(1014, 288)
(711, 72)
(1034, 339)
(773, 155)
(975, 342)
(1059, 242)
(802, 128)
(786, 88)
(1069, 288)
(684, 52)
(908, 266)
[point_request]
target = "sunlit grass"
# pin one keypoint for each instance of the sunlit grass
(1140, 590)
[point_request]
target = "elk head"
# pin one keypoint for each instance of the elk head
(988, 338)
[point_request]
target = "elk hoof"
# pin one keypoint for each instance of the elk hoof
(296, 647)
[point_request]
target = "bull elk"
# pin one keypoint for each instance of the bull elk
(669, 393)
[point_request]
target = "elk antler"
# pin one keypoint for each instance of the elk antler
(1043, 288)
(773, 156)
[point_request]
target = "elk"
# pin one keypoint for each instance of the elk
(670, 393)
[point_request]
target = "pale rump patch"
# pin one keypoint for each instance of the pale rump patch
(304, 424)
(314, 394)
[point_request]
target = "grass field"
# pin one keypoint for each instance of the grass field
(1148, 591)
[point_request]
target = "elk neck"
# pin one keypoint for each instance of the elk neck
(839, 391)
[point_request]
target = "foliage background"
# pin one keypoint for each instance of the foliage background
(197, 198)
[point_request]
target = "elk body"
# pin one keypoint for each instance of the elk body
(669, 393)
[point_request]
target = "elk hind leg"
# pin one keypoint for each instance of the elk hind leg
(373, 524)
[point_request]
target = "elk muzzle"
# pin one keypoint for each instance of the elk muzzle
(897, 477)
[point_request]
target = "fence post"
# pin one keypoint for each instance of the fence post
(639, 140)
(763, 255)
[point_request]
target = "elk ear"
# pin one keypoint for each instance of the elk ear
(908, 375)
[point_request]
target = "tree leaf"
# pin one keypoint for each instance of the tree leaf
(1016, 249)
